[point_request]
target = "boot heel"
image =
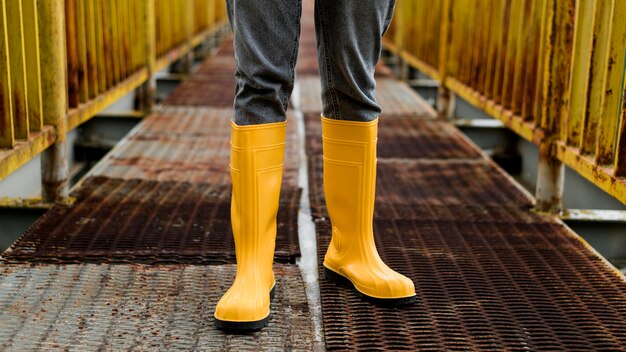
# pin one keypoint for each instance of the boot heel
(337, 278)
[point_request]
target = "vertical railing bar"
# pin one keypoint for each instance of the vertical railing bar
(107, 41)
(115, 42)
(72, 54)
(620, 153)
(594, 95)
(521, 56)
(541, 61)
(7, 138)
(92, 66)
(148, 22)
(579, 83)
(611, 104)
(443, 92)
(19, 88)
(100, 52)
(123, 41)
(83, 77)
(530, 78)
(189, 31)
(491, 48)
(511, 55)
(33, 72)
(501, 52)
(134, 30)
(485, 36)
(478, 41)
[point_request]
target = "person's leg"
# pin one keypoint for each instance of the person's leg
(266, 47)
(349, 43)
(348, 47)
(266, 38)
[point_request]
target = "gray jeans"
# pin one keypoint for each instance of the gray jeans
(266, 47)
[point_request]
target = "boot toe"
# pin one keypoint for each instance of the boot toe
(243, 306)
(392, 285)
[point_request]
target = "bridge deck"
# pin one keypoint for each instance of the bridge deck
(141, 257)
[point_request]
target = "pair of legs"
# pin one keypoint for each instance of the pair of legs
(266, 47)
(266, 44)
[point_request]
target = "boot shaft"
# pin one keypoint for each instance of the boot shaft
(256, 163)
(350, 172)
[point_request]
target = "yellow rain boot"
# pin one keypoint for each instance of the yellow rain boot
(349, 186)
(256, 166)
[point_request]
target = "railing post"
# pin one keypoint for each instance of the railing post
(550, 180)
(148, 89)
(7, 137)
(399, 39)
(188, 58)
(54, 163)
(444, 104)
(557, 61)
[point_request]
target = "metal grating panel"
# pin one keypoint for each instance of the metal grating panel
(187, 145)
(217, 90)
(403, 185)
(219, 64)
(91, 307)
(307, 64)
(482, 284)
(115, 220)
(404, 137)
(395, 98)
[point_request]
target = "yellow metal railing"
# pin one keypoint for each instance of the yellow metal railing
(550, 70)
(62, 62)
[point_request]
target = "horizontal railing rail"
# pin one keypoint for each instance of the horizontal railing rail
(551, 70)
(62, 62)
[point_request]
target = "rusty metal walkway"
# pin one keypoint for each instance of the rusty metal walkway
(140, 258)
(490, 274)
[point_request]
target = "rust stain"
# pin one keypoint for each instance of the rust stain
(19, 117)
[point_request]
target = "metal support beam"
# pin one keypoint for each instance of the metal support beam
(54, 164)
(550, 177)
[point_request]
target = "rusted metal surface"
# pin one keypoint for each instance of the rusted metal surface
(482, 284)
(138, 307)
(163, 194)
(205, 90)
(550, 70)
(106, 49)
(403, 186)
(490, 274)
(212, 85)
(406, 137)
(186, 144)
(395, 98)
(115, 220)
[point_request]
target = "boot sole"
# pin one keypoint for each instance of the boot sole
(245, 326)
(385, 302)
